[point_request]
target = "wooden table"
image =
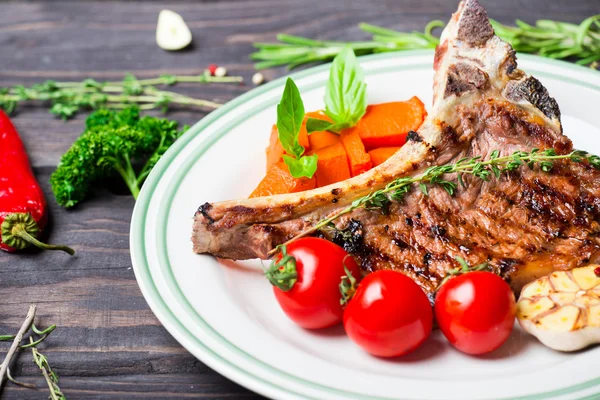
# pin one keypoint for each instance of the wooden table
(108, 343)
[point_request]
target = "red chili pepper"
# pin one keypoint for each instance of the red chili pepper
(23, 212)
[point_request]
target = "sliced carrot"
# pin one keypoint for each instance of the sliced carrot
(358, 159)
(380, 155)
(387, 124)
(320, 139)
(275, 150)
(332, 166)
(303, 136)
(279, 180)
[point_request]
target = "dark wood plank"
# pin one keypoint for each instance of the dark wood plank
(108, 343)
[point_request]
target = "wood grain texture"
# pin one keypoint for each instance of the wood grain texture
(108, 344)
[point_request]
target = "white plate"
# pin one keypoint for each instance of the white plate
(225, 313)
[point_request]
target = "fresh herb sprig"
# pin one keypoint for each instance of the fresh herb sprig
(49, 375)
(345, 95)
(554, 39)
(290, 115)
(112, 142)
(39, 359)
(68, 98)
(495, 166)
(294, 51)
(547, 38)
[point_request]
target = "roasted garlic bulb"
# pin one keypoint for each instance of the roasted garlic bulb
(563, 309)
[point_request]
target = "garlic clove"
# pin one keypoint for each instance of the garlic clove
(529, 309)
(172, 33)
(562, 282)
(585, 278)
(541, 288)
(561, 320)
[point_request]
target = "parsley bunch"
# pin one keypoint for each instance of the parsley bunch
(112, 142)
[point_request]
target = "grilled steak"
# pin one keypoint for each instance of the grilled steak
(525, 224)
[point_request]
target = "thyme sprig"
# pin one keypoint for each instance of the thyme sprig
(495, 166)
(67, 98)
(547, 38)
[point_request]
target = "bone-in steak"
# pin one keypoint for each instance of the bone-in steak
(525, 224)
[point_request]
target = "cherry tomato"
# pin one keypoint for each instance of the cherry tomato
(313, 302)
(389, 314)
(476, 311)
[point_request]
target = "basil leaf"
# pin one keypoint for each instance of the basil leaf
(316, 125)
(304, 167)
(346, 91)
(290, 114)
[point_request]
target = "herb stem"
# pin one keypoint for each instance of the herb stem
(49, 376)
(67, 98)
(125, 169)
(16, 342)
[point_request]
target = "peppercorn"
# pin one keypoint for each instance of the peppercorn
(258, 78)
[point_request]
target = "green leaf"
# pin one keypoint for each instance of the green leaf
(169, 79)
(303, 167)
(346, 91)
(65, 111)
(131, 86)
(290, 114)
(317, 125)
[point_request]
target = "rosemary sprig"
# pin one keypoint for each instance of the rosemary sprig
(67, 98)
(40, 360)
(49, 375)
(547, 38)
(475, 166)
(554, 39)
(294, 51)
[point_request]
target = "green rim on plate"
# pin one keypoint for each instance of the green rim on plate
(144, 276)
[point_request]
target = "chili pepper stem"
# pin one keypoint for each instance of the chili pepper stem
(19, 230)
